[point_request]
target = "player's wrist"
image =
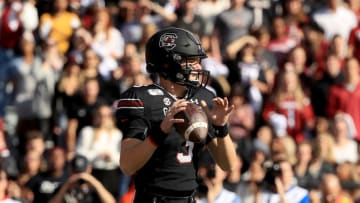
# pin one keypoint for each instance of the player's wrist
(156, 135)
(221, 131)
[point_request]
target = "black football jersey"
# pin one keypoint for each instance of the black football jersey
(173, 164)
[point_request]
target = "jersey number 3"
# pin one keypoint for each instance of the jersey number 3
(185, 158)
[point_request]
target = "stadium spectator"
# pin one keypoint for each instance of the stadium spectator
(325, 143)
(100, 144)
(321, 159)
(345, 148)
(187, 18)
(81, 112)
(255, 149)
(250, 188)
(338, 46)
(332, 191)
(251, 75)
(290, 147)
(90, 68)
(34, 88)
(130, 27)
(208, 10)
(298, 58)
(10, 29)
(80, 41)
(242, 120)
(281, 42)
(7, 187)
(213, 178)
(30, 167)
(161, 13)
(59, 24)
(316, 47)
(260, 151)
(334, 19)
(302, 165)
(67, 86)
(107, 42)
(289, 100)
(339, 95)
(52, 57)
(45, 184)
(227, 31)
(348, 178)
(332, 76)
(263, 54)
(295, 18)
(133, 73)
(81, 186)
(281, 185)
(277, 149)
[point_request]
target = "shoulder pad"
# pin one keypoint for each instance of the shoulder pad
(130, 104)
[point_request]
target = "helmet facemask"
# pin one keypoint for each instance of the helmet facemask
(175, 54)
(190, 75)
(184, 72)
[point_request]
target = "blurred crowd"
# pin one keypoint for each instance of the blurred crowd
(290, 67)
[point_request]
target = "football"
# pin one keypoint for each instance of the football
(195, 127)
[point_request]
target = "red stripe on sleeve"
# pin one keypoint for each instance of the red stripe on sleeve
(130, 103)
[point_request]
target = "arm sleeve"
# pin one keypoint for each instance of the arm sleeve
(130, 115)
(308, 111)
(268, 109)
(45, 26)
(85, 142)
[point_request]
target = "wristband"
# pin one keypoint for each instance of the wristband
(221, 131)
(156, 135)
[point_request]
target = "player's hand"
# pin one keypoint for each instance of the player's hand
(169, 120)
(220, 112)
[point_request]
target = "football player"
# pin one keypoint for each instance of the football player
(163, 162)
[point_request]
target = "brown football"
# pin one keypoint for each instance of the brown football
(195, 127)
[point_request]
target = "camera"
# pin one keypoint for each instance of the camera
(79, 165)
(272, 171)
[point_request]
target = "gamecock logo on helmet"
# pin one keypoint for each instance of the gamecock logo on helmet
(167, 41)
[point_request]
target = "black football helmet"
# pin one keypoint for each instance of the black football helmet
(169, 49)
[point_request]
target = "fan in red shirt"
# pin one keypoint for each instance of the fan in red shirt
(10, 25)
(346, 96)
(354, 42)
(290, 101)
